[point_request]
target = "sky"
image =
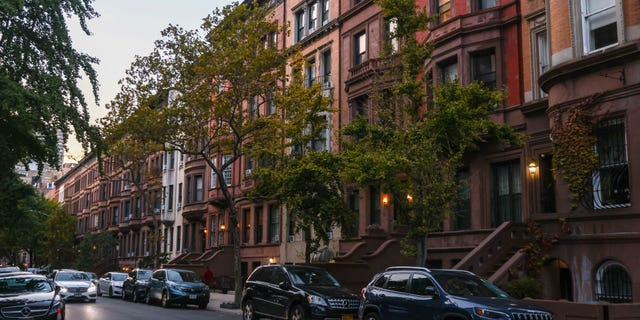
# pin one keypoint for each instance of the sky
(127, 28)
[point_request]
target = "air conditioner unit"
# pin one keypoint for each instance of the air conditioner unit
(181, 164)
(179, 205)
(291, 238)
(276, 238)
(164, 167)
(126, 186)
(248, 172)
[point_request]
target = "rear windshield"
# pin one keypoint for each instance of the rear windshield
(144, 274)
(118, 276)
(23, 285)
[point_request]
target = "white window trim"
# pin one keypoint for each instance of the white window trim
(582, 26)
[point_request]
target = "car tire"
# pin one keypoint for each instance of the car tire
(98, 291)
(110, 292)
(297, 313)
(202, 306)
(147, 298)
(164, 302)
(371, 316)
(134, 296)
(248, 311)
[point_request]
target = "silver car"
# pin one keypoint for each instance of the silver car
(74, 285)
(111, 284)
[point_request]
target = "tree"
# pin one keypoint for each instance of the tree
(413, 153)
(226, 75)
(97, 252)
(58, 237)
(39, 71)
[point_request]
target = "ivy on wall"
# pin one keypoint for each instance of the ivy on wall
(573, 141)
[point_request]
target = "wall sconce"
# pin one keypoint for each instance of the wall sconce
(272, 260)
(223, 227)
(532, 168)
(385, 199)
(409, 198)
(206, 231)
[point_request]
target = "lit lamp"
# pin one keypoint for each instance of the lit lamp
(385, 199)
(410, 198)
(532, 168)
(272, 260)
(223, 227)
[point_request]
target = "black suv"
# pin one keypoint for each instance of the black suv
(296, 292)
(401, 293)
(135, 285)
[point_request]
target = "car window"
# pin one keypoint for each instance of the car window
(71, 276)
(144, 274)
(258, 274)
(24, 285)
(419, 284)
(381, 281)
(398, 282)
(467, 286)
(312, 277)
(118, 277)
(182, 276)
(159, 274)
(278, 276)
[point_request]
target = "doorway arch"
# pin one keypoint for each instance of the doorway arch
(557, 280)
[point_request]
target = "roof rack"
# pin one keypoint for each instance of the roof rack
(407, 268)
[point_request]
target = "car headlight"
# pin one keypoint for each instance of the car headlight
(491, 314)
(316, 300)
(63, 290)
(92, 287)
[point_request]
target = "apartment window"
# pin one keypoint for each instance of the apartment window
(221, 231)
(360, 48)
(613, 283)
(253, 108)
(444, 10)
(126, 212)
(212, 232)
(274, 223)
(486, 4)
(360, 107)
(213, 178)
(462, 214)
(610, 181)
(189, 199)
(246, 222)
(178, 238)
(170, 202)
(354, 205)
(199, 188)
(313, 16)
(599, 24)
(321, 141)
(227, 171)
(448, 71)
(114, 217)
(291, 227)
(271, 103)
(248, 166)
(506, 192)
(259, 225)
(483, 66)
(391, 26)
(374, 205)
(325, 68)
(540, 54)
(180, 192)
(299, 25)
(310, 73)
(325, 11)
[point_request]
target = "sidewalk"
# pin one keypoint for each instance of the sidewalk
(216, 298)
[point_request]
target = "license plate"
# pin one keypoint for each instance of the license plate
(77, 294)
(347, 317)
(193, 297)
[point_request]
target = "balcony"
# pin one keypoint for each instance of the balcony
(371, 68)
(167, 218)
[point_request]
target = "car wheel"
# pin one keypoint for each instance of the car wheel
(165, 299)
(297, 313)
(123, 294)
(248, 312)
(135, 297)
(98, 291)
(202, 306)
(371, 316)
(147, 298)
(110, 292)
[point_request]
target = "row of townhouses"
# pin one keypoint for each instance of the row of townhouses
(550, 57)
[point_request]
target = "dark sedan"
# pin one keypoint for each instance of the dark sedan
(135, 286)
(29, 296)
(177, 286)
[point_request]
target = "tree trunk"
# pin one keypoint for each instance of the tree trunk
(421, 251)
(236, 256)
(307, 245)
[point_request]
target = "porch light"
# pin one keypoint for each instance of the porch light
(385, 199)
(532, 168)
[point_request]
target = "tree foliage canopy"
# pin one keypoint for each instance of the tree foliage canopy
(39, 71)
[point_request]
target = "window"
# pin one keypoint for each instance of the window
(540, 56)
(188, 190)
(172, 160)
(483, 66)
(227, 171)
(258, 226)
(115, 216)
(325, 11)
(313, 16)
(170, 202)
(321, 141)
(212, 232)
(360, 107)
(486, 4)
(506, 192)
(291, 226)
(199, 189)
(246, 225)
(325, 68)
(374, 206)
(599, 24)
(360, 48)
(398, 282)
(274, 235)
(214, 178)
(253, 108)
(221, 231)
(178, 238)
(299, 25)
(310, 73)
(271, 103)
(448, 71)
(391, 26)
(179, 193)
(613, 283)
(610, 180)
(444, 10)
(462, 214)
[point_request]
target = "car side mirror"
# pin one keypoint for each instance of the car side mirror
(431, 291)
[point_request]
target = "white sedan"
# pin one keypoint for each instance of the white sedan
(111, 284)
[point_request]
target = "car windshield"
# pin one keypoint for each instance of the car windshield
(312, 277)
(465, 285)
(144, 274)
(91, 275)
(21, 285)
(118, 276)
(71, 276)
(182, 276)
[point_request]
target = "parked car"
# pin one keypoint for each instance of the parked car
(26, 295)
(296, 292)
(74, 285)
(177, 286)
(9, 269)
(111, 284)
(93, 277)
(401, 293)
(135, 285)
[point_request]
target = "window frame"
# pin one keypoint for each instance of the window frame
(584, 25)
(359, 53)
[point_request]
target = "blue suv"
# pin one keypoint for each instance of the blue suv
(404, 293)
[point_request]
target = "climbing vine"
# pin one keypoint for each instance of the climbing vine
(573, 148)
